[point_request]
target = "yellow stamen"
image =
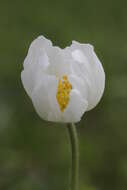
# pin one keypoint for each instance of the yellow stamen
(63, 92)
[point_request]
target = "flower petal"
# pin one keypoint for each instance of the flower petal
(44, 98)
(76, 107)
(91, 70)
(59, 62)
(37, 51)
(31, 73)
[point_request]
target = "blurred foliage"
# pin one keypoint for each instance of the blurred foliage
(35, 154)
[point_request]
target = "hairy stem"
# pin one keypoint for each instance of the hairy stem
(75, 156)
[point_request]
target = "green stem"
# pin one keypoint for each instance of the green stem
(75, 155)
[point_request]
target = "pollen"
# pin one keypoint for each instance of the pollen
(63, 92)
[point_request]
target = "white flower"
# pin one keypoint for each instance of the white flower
(62, 83)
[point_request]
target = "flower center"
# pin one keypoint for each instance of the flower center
(63, 92)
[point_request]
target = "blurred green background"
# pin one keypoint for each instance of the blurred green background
(35, 154)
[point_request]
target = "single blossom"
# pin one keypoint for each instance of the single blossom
(62, 83)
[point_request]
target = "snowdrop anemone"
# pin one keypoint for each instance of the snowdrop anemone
(62, 83)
